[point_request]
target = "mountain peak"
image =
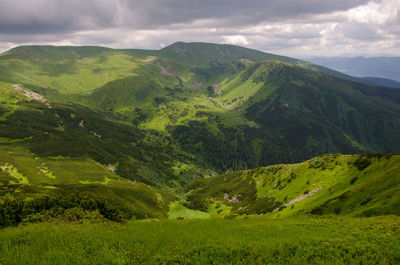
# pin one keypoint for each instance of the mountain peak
(202, 54)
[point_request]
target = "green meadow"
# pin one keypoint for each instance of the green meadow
(254, 240)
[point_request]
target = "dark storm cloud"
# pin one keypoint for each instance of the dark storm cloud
(54, 16)
(151, 13)
(47, 16)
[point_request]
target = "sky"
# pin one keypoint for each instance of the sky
(298, 28)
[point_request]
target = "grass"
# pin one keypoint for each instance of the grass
(236, 91)
(66, 73)
(178, 211)
(256, 240)
(9, 99)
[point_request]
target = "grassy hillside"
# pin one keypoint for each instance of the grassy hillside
(357, 185)
(53, 148)
(51, 129)
(256, 240)
(25, 176)
(68, 70)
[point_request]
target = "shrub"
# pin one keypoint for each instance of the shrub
(72, 207)
(362, 163)
(353, 180)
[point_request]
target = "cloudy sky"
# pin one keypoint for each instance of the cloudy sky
(299, 28)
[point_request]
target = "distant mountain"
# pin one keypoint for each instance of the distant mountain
(380, 67)
(380, 81)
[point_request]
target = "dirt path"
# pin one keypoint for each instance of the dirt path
(300, 198)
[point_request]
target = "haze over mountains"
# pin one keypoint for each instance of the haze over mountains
(378, 67)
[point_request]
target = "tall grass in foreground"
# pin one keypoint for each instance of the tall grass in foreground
(257, 240)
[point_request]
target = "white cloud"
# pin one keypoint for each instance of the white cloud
(235, 40)
(374, 13)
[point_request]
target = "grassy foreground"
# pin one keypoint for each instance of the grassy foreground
(255, 240)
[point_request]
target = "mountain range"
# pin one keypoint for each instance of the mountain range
(137, 126)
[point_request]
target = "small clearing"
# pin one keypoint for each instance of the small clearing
(111, 168)
(195, 84)
(96, 134)
(13, 172)
(216, 88)
(82, 124)
(166, 70)
(149, 59)
(179, 50)
(234, 198)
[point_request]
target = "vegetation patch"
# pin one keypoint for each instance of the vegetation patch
(180, 212)
(45, 170)
(13, 172)
(105, 182)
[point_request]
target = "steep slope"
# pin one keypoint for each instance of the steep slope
(357, 185)
(293, 114)
(309, 105)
